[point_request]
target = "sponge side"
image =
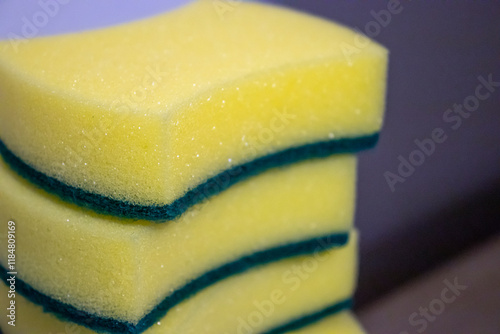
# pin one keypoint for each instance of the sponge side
(305, 286)
(297, 290)
(141, 117)
(138, 264)
(343, 323)
(297, 106)
(66, 253)
(285, 206)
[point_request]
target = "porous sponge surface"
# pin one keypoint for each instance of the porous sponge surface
(155, 107)
(137, 264)
(294, 292)
(342, 323)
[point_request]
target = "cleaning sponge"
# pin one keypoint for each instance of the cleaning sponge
(343, 323)
(149, 119)
(282, 296)
(136, 265)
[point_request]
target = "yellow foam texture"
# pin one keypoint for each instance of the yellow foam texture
(66, 252)
(144, 111)
(343, 323)
(261, 299)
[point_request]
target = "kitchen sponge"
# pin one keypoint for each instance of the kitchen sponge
(343, 323)
(136, 265)
(282, 296)
(159, 114)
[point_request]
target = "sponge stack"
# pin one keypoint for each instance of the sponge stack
(187, 173)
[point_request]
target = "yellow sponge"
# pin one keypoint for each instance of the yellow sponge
(157, 107)
(274, 299)
(343, 323)
(135, 265)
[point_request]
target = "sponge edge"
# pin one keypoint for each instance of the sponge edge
(132, 122)
(296, 292)
(150, 260)
(343, 323)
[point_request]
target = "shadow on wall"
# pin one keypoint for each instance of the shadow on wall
(431, 241)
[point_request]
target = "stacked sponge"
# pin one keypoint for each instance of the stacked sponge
(188, 173)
